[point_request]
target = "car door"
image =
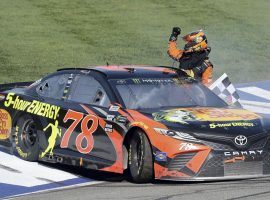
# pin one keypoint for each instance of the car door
(88, 134)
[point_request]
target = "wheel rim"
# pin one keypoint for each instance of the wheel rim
(29, 135)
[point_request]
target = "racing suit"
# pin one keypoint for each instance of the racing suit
(196, 64)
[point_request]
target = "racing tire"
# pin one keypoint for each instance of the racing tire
(26, 139)
(140, 158)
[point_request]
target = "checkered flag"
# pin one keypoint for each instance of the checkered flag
(225, 90)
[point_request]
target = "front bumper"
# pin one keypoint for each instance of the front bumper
(221, 163)
(206, 179)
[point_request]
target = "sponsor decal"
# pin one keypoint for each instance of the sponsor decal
(233, 124)
(55, 131)
(110, 117)
(121, 81)
(108, 128)
(240, 140)
(161, 156)
(217, 114)
(114, 108)
(155, 81)
(121, 119)
(187, 146)
(5, 124)
(19, 150)
(244, 153)
(33, 107)
(152, 81)
(184, 115)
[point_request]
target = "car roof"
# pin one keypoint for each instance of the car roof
(127, 71)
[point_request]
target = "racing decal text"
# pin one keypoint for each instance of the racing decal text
(86, 131)
(114, 108)
(5, 124)
(235, 124)
(110, 117)
(34, 107)
(108, 128)
(243, 153)
(187, 146)
(19, 150)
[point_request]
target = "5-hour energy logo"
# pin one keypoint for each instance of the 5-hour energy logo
(234, 124)
(34, 107)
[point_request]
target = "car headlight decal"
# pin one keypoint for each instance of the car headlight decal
(176, 134)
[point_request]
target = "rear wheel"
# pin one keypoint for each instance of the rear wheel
(26, 139)
(140, 158)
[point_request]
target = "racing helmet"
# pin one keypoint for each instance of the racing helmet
(195, 41)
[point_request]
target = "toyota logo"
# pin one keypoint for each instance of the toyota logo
(240, 140)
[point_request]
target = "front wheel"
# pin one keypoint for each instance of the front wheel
(26, 139)
(140, 158)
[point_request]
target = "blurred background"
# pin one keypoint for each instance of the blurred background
(38, 37)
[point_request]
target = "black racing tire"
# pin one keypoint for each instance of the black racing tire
(140, 158)
(26, 138)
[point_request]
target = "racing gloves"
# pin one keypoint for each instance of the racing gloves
(175, 32)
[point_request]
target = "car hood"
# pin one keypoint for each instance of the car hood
(208, 120)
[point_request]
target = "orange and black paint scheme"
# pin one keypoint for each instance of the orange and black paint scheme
(187, 143)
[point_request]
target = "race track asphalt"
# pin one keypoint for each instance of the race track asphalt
(115, 187)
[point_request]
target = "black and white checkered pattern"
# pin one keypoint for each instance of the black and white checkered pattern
(225, 90)
(70, 79)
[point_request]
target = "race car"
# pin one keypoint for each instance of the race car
(154, 122)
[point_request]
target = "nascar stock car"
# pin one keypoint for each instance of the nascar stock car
(151, 121)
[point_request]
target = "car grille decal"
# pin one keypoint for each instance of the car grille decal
(180, 161)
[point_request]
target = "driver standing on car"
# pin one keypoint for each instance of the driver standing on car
(194, 58)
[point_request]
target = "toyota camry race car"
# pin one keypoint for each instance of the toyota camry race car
(152, 121)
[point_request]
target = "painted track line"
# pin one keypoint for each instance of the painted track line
(20, 177)
(257, 107)
(257, 92)
(56, 189)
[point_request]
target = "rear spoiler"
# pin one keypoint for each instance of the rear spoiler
(9, 86)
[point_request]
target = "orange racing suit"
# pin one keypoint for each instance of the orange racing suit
(190, 62)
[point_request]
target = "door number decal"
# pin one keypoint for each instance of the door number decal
(86, 130)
